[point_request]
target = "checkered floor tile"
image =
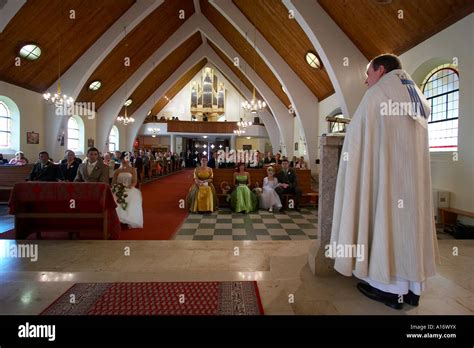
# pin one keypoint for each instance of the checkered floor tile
(261, 225)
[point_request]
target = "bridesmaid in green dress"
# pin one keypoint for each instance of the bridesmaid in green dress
(242, 198)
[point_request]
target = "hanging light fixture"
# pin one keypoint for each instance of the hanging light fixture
(255, 105)
(125, 119)
(58, 99)
(239, 131)
(154, 131)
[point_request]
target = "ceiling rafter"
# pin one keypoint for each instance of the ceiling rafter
(138, 45)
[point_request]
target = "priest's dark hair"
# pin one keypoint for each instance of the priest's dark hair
(388, 61)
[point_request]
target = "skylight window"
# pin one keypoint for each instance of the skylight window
(95, 85)
(30, 52)
(312, 60)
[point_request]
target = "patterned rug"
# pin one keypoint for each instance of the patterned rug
(166, 298)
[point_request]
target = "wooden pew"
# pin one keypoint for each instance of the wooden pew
(46, 207)
(9, 176)
(309, 196)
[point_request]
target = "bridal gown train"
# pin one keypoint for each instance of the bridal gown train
(133, 215)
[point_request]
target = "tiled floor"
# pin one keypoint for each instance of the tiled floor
(280, 268)
(7, 222)
(261, 225)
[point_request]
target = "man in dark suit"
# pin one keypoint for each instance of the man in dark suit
(288, 184)
(269, 159)
(68, 170)
(213, 160)
(44, 169)
(94, 169)
(66, 154)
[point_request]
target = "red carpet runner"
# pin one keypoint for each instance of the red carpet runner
(168, 298)
(162, 215)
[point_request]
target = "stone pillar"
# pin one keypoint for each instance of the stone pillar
(330, 150)
(172, 143)
(233, 142)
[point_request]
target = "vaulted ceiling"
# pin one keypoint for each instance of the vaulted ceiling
(178, 86)
(244, 49)
(162, 71)
(49, 24)
(139, 45)
(288, 39)
(373, 27)
(395, 27)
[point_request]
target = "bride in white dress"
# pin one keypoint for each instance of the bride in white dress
(126, 175)
(269, 198)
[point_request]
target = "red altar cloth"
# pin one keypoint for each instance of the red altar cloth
(56, 197)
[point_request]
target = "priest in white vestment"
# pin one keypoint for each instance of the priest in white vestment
(383, 199)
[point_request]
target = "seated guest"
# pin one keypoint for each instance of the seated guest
(278, 159)
(213, 160)
(288, 184)
(77, 159)
(257, 161)
(202, 195)
(293, 162)
(301, 164)
(130, 212)
(19, 159)
(110, 164)
(2, 160)
(92, 170)
(269, 198)
(117, 157)
(138, 164)
(44, 169)
(269, 159)
(67, 171)
(242, 198)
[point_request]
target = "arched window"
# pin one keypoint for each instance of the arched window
(5, 126)
(9, 126)
(441, 89)
(114, 139)
(75, 134)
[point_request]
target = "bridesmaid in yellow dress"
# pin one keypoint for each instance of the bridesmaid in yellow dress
(202, 195)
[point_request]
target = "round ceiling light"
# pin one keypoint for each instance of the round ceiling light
(313, 60)
(95, 85)
(30, 52)
(128, 102)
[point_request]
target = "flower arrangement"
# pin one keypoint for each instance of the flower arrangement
(120, 192)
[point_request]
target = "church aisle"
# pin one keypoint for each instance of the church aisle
(162, 215)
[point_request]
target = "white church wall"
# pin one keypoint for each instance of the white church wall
(455, 41)
(30, 105)
(32, 119)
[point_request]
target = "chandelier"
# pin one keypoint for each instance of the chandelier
(239, 131)
(255, 105)
(153, 131)
(244, 124)
(58, 99)
(125, 119)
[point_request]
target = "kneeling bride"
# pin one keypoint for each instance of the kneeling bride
(128, 198)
